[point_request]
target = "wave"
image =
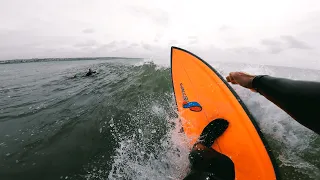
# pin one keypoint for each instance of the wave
(121, 124)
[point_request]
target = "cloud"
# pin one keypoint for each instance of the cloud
(245, 50)
(88, 31)
(133, 45)
(273, 46)
(158, 37)
(192, 37)
(146, 46)
(113, 48)
(224, 28)
(157, 16)
(276, 49)
(292, 42)
(88, 43)
(173, 42)
(270, 42)
(276, 46)
(123, 43)
(103, 49)
(112, 44)
(193, 40)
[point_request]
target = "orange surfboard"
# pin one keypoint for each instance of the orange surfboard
(202, 95)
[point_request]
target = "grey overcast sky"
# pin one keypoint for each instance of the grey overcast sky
(282, 32)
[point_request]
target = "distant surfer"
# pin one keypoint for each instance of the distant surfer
(300, 99)
(90, 72)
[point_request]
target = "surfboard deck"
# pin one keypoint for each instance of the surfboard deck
(195, 81)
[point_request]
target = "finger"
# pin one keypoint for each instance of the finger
(231, 76)
(228, 79)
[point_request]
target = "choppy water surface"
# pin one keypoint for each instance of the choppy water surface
(121, 123)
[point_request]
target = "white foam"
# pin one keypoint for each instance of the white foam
(168, 161)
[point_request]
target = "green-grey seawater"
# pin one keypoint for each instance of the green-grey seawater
(121, 123)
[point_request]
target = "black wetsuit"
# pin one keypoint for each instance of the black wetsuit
(90, 73)
(299, 99)
(209, 164)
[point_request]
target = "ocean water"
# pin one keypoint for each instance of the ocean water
(122, 122)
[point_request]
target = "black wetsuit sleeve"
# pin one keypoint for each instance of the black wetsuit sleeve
(300, 99)
(208, 162)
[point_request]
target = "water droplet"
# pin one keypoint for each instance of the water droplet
(17, 161)
(8, 154)
(100, 130)
(140, 131)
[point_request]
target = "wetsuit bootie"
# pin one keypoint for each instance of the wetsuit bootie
(212, 131)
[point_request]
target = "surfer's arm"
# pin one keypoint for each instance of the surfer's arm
(300, 99)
